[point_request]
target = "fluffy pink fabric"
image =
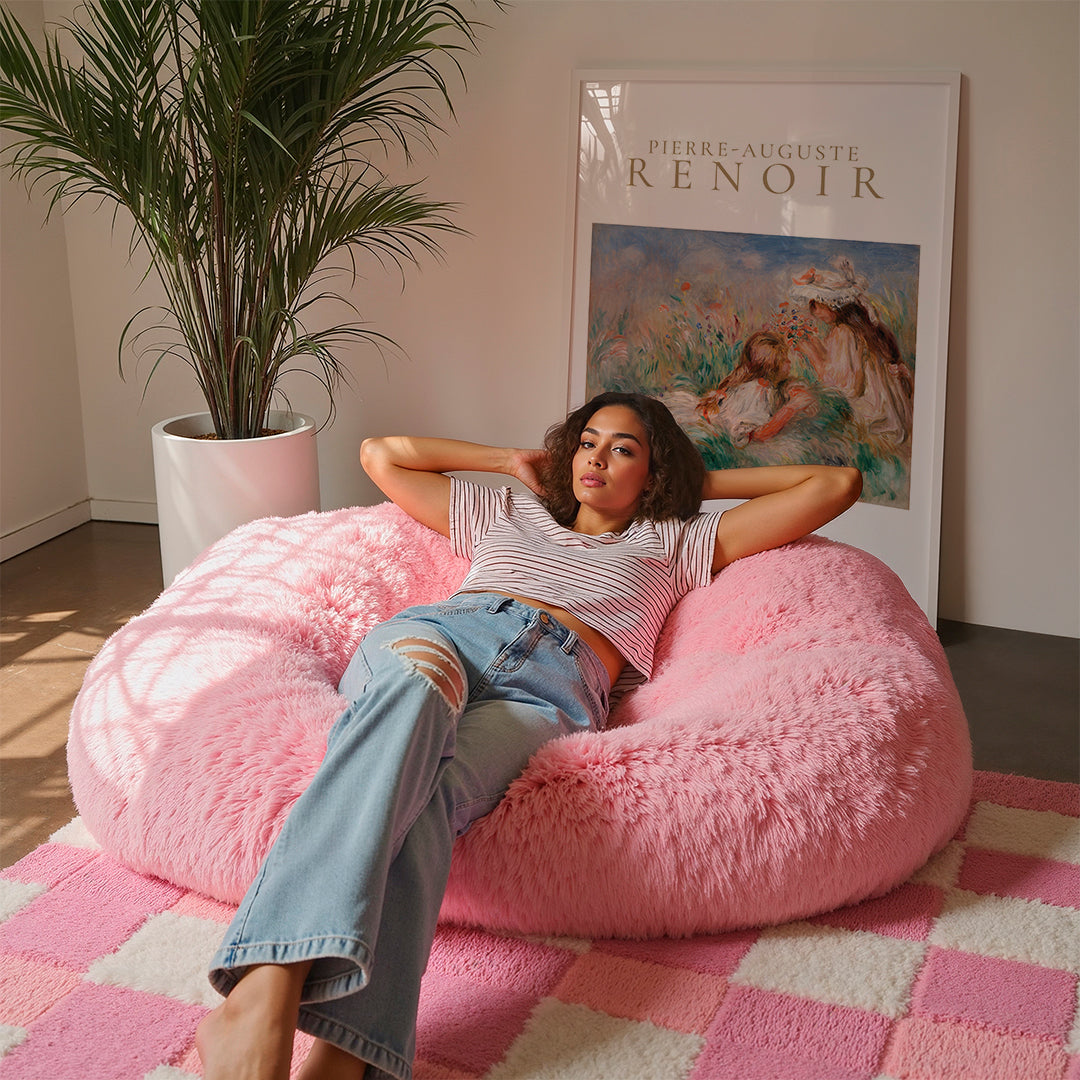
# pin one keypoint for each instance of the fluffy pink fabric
(801, 745)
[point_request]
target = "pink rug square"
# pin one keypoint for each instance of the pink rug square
(759, 1035)
(103, 1033)
(106, 900)
(1001, 995)
(711, 955)
(1026, 793)
(50, 864)
(728, 1061)
(202, 907)
(466, 1023)
(941, 1050)
(1023, 876)
(29, 988)
(798, 1028)
(669, 997)
(907, 913)
(430, 1070)
(527, 966)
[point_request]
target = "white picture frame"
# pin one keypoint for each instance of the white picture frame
(747, 168)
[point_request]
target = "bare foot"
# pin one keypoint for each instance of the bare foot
(329, 1062)
(250, 1035)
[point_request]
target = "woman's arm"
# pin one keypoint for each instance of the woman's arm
(800, 399)
(411, 471)
(813, 348)
(783, 503)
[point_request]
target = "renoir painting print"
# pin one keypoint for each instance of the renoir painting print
(770, 253)
(768, 349)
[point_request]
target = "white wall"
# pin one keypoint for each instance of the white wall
(486, 332)
(43, 485)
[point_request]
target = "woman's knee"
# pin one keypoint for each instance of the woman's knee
(430, 657)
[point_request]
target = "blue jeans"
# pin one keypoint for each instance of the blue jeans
(449, 702)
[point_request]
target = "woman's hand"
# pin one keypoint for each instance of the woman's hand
(812, 349)
(526, 466)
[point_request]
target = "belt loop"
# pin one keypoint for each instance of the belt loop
(568, 645)
(499, 603)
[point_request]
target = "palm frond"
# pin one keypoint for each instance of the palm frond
(240, 135)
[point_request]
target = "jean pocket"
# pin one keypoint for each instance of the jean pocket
(459, 607)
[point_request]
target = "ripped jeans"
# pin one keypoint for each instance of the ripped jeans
(449, 702)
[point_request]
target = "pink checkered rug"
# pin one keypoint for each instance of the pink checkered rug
(968, 971)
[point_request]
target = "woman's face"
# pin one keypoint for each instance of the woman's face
(611, 465)
(822, 312)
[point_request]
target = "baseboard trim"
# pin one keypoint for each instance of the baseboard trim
(28, 536)
(51, 526)
(142, 513)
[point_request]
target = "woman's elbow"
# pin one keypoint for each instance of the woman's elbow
(850, 483)
(372, 452)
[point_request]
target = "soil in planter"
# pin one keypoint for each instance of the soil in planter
(213, 435)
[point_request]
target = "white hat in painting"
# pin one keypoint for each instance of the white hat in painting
(834, 288)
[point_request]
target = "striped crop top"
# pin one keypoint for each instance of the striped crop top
(621, 584)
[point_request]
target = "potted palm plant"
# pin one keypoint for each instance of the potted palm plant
(243, 141)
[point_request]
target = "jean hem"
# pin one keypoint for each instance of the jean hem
(232, 962)
(383, 1063)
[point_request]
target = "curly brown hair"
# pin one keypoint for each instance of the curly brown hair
(676, 469)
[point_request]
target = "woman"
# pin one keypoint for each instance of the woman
(450, 700)
(760, 397)
(858, 355)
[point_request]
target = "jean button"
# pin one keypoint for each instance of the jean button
(545, 618)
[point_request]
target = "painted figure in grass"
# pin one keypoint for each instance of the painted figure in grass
(760, 396)
(857, 355)
(569, 585)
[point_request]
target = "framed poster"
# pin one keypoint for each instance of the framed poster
(770, 254)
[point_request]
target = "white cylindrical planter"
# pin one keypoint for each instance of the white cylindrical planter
(207, 487)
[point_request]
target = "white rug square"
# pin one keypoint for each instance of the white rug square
(571, 1042)
(1041, 834)
(942, 869)
(75, 834)
(10, 1037)
(842, 967)
(1010, 928)
(15, 895)
(169, 954)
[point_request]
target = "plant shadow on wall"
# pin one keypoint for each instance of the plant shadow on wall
(244, 137)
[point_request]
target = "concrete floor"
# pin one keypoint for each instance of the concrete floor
(60, 601)
(58, 604)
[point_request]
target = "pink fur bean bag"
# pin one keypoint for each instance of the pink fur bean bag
(800, 747)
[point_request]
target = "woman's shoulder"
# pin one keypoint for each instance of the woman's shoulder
(673, 532)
